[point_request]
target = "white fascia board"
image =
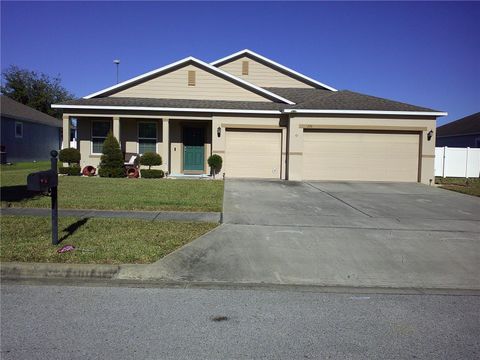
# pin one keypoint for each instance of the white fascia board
(199, 62)
(274, 63)
(165, 109)
(365, 112)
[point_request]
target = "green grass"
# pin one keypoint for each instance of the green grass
(112, 194)
(97, 241)
(466, 186)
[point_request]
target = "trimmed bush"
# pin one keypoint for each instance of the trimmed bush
(73, 170)
(151, 159)
(70, 156)
(111, 163)
(215, 162)
(152, 174)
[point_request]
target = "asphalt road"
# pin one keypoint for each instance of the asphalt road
(67, 322)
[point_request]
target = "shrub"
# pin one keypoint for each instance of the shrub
(111, 163)
(215, 162)
(69, 155)
(151, 159)
(152, 174)
(73, 170)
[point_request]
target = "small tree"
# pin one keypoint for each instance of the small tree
(215, 162)
(111, 163)
(151, 159)
(69, 155)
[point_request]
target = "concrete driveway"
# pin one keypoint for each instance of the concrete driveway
(336, 234)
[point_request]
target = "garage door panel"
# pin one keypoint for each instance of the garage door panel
(360, 156)
(253, 154)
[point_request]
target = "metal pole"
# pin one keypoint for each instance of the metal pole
(117, 73)
(54, 197)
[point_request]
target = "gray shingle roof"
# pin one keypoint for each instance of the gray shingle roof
(178, 103)
(305, 98)
(467, 125)
(15, 110)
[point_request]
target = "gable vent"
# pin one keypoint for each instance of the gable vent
(244, 67)
(191, 78)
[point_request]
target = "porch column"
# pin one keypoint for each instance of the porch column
(116, 128)
(66, 131)
(166, 144)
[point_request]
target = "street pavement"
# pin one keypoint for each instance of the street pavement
(85, 322)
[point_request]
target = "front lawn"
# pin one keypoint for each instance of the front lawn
(469, 186)
(97, 241)
(112, 194)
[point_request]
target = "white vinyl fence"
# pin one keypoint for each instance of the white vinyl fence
(457, 162)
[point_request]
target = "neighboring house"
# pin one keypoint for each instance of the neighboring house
(264, 119)
(27, 134)
(464, 132)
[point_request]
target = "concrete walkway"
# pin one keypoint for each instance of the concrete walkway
(334, 234)
(144, 215)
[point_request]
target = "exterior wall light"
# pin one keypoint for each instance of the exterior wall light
(429, 135)
(219, 131)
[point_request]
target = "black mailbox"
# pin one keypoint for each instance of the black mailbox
(42, 181)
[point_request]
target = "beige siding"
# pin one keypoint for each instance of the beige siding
(253, 153)
(299, 126)
(174, 85)
(262, 75)
(362, 156)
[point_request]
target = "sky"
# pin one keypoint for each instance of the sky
(422, 53)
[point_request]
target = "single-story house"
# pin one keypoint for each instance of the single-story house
(27, 134)
(265, 120)
(464, 132)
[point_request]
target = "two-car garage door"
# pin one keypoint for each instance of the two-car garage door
(360, 155)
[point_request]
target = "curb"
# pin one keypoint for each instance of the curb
(18, 270)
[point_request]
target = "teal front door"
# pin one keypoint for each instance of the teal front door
(193, 149)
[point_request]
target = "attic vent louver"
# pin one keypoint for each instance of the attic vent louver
(244, 67)
(191, 78)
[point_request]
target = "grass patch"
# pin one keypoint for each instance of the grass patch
(469, 186)
(97, 241)
(112, 194)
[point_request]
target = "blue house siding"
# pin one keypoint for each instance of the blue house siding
(472, 141)
(37, 141)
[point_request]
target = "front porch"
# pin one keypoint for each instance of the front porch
(185, 143)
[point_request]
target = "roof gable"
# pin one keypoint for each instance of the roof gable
(279, 68)
(253, 92)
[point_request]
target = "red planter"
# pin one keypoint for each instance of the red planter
(132, 173)
(89, 171)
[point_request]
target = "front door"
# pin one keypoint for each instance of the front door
(193, 149)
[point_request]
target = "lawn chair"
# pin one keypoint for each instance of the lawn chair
(132, 160)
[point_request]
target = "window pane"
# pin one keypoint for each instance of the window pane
(18, 129)
(147, 145)
(147, 130)
(97, 146)
(100, 128)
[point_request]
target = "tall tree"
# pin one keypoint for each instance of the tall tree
(33, 89)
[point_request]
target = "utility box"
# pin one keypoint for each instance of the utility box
(42, 181)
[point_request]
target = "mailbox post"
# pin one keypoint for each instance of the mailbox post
(54, 197)
(44, 182)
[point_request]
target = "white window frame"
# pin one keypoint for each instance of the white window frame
(138, 135)
(91, 135)
(21, 127)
